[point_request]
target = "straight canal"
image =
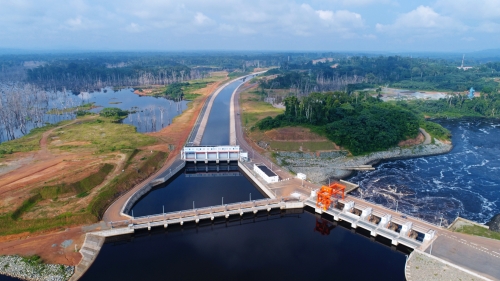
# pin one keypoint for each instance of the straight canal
(282, 245)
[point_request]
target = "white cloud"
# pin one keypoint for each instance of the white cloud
(477, 10)
(201, 19)
(422, 20)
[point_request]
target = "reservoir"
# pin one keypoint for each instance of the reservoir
(267, 247)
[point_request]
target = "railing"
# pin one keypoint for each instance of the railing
(227, 207)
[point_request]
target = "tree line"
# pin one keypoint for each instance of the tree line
(361, 124)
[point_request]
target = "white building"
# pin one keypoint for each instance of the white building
(266, 173)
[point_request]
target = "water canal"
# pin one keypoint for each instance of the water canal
(283, 245)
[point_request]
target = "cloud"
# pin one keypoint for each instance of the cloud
(422, 20)
(201, 19)
(470, 9)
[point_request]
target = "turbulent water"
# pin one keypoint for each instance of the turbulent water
(464, 182)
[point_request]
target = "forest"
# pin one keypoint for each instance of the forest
(392, 71)
(361, 124)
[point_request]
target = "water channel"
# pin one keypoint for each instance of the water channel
(283, 245)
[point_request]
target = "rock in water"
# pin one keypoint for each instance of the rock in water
(494, 223)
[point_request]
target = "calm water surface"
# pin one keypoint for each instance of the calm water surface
(277, 247)
(149, 114)
(205, 189)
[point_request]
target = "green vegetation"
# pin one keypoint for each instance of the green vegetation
(102, 135)
(174, 91)
(80, 188)
(32, 260)
(52, 192)
(29, 142)
(435, 130)
(113, 112)
(10, 226)
(125, 182)
(26, 206)
(81, 108)
(362, 127)
(459, 105)
(254, 109)
(394, 71)
(478, 231)
(98, 205)
(237, 74)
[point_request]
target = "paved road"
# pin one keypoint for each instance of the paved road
(469, 252)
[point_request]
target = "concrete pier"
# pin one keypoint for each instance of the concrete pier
(359, 216)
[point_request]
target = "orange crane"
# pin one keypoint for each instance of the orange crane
(326, 193)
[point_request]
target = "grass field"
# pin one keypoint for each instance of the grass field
(29, 142)
(99, 135)
(286, 139)
(254, 109)
(478, 231)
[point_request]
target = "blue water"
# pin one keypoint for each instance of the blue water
(145, 106)
(464, 182)
(147, 113)
(217, 129)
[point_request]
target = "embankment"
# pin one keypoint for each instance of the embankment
(320, 167)
(33, 269)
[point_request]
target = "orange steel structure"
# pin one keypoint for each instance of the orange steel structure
(326, 193)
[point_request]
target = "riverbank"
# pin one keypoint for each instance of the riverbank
(32, 268)
(319, 167)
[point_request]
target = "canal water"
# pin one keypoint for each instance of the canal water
(293, 245)
(464, 182)
(200, 189)
(271, 247)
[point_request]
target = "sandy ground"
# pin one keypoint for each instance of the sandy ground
(293, 134)
(57, 247)
(35, 169)
(42, 165)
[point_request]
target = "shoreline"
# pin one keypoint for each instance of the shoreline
(320, 169)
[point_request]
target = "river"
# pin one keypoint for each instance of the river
(464, 182)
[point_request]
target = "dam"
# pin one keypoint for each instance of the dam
(286, 203)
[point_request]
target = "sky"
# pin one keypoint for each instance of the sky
(280, 25)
